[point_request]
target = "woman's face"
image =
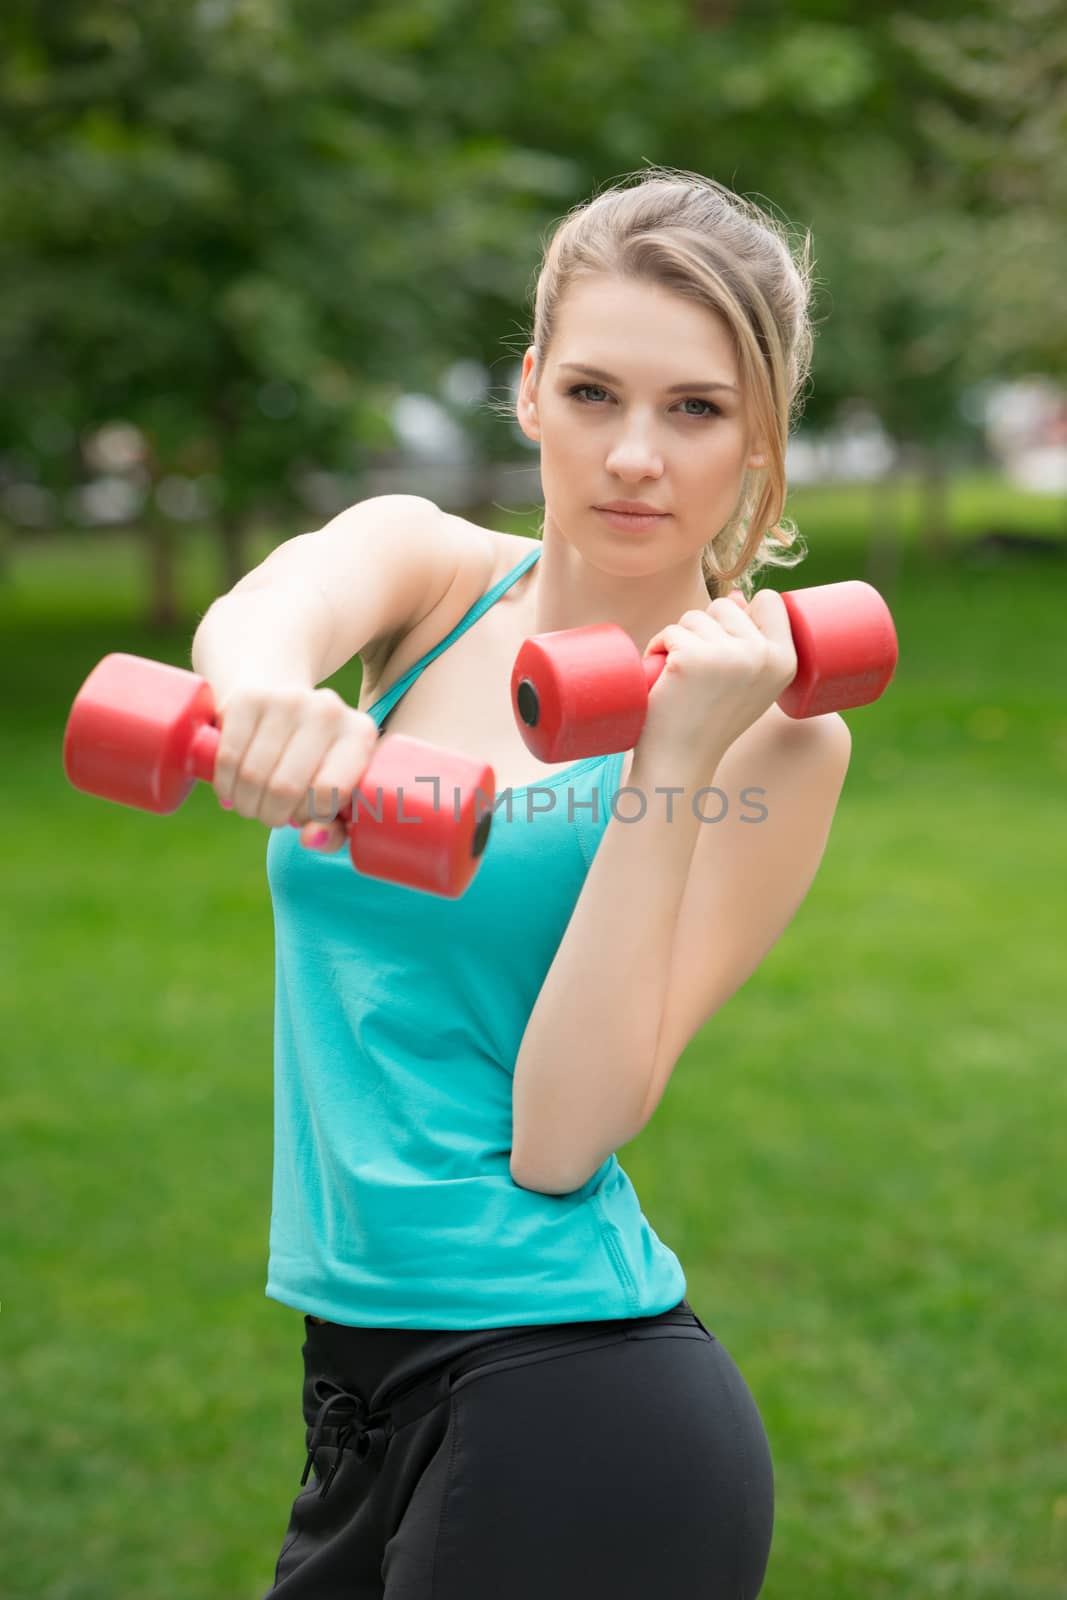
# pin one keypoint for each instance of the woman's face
(628, 437)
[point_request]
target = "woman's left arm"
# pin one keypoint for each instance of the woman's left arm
(674, 916)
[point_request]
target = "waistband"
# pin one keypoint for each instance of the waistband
(371, 1431)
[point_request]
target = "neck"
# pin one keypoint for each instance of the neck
(569, 592)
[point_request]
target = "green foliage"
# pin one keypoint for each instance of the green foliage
(995, 129)
(248, 226)
(238, 227)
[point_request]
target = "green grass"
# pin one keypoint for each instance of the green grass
(857, 1160)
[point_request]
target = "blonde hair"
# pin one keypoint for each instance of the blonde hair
(691, 235)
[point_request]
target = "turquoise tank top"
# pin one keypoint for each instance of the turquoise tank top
(398, 1018)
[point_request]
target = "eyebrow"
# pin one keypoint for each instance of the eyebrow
(675, 388)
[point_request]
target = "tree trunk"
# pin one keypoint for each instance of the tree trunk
(163, 608)
(232, 538)
(231, 523)
(934, 534)
(883, 549)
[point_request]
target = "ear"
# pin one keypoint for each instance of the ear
(526, 404)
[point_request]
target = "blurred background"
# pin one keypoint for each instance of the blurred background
(259, 260)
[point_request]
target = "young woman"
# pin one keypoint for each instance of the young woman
(505, 1389)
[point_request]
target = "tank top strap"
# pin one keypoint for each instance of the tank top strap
(382, 707)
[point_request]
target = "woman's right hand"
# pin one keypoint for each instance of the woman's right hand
(292, 755)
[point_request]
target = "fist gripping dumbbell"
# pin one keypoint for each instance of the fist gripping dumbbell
(142, 732)
(584, 691)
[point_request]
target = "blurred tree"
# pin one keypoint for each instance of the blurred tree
(820, 100)
(218, 227)
(249, 227)
(901, 327)
(1000, 128)
(172, 254)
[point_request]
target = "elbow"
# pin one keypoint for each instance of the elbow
(544, 1185)
(526, 1180)
(556, 1182)
(538, 1182)
(553, 1161)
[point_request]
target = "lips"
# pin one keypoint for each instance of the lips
(630, 521)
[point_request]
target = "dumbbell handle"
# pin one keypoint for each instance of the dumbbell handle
(652, 665)
(200, 763)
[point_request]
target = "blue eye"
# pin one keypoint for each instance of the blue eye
(713, 410)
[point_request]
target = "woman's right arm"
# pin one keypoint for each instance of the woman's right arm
(369, 576)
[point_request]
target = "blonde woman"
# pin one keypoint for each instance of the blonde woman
(506, 1392)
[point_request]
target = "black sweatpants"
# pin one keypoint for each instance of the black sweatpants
(614, 1459)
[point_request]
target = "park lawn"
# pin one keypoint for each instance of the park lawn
(856, 1161)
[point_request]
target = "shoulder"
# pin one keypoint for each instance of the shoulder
(482, 557)
(493, 554)
(479, 558)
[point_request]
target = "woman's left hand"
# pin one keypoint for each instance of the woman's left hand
(725, 667)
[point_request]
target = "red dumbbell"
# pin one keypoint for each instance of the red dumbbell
(584, 691)
(141, 733)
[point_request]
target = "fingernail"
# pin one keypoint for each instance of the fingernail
(319, 838)
(227, 805)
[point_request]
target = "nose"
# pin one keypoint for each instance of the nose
(634, 454)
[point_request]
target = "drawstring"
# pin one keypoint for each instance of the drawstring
(371, 1441)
